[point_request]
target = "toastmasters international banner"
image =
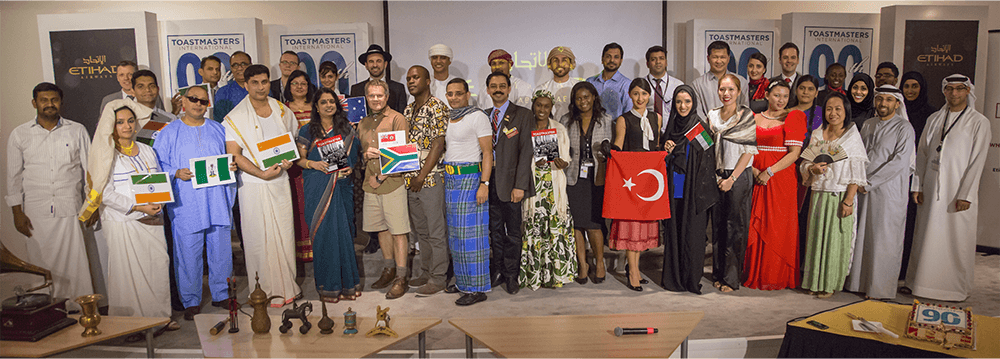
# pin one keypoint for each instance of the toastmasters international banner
(85, 63)
(937, 49)
(742, 44)
(848, 46)
(339, 43)
(186, 51)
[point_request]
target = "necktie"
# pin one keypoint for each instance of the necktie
(130, 97)
(788, 80)
(658, 99)
(495, 121)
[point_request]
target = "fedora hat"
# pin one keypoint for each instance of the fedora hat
(374, 49)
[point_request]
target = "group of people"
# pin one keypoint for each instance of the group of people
(741, 156)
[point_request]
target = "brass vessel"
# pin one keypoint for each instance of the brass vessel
(90, 318)
(260, 322)
(326, 324)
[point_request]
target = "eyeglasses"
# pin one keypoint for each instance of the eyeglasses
(289, 63)
(197, 100)
(299, 84)
(954, 89)
(239, 64)
(887, 75)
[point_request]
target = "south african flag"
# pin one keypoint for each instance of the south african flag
(399, 159)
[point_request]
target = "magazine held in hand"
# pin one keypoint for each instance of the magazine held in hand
(334, 153)
(546, 144)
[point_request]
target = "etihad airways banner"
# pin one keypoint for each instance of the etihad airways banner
(745, 37)
(339, 43)
(827, 38)
(186, 42)
(939, 48)
(81, 52)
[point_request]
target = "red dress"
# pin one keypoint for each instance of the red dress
(303, 244)
(772, 256)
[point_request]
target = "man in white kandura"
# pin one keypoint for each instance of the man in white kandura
(46, 160)
(951, 155)
(264, 195)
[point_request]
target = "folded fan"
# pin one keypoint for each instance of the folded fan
(824, 152)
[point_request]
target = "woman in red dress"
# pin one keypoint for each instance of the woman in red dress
(772, 255)
(300, 91)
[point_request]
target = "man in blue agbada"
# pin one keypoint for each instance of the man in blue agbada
(200, 218)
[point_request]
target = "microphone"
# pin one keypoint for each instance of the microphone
(619, 331)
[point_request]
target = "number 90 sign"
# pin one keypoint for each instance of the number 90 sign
(738, 65)
(946, 317)
(823, 54)
(190, 61)
(311, 68)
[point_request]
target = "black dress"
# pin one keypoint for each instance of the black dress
(586, 199)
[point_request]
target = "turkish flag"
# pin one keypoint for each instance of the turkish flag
(635, 187)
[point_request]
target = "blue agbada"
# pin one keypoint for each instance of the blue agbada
(225, 99)
(200, 218)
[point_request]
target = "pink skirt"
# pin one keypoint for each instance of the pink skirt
(634, 235)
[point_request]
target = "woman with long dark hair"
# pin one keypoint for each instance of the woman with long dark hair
(330, 205)
(588, 125)
(684, 257)
(805, 97)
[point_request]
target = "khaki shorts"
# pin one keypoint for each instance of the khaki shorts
(387, 211)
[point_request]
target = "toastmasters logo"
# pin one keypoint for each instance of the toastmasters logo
(186, 51)
(93, 67)
(742, 43)
(206, 42)
(848, 46)
(318, 42)
(341, 48)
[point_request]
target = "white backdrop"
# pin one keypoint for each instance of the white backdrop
(527, 30)
(825, 38)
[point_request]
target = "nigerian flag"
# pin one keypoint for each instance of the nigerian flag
(211, 171)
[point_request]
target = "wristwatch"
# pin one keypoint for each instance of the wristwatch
(487, 183)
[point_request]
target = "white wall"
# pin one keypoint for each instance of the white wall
(20, 54)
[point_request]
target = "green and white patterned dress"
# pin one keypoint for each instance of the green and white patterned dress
(548, 253)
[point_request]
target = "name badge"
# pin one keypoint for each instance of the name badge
(510, 132)
(585, 169)
(936, 162)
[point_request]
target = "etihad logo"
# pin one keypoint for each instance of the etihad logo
(94, 69)
(940, 56)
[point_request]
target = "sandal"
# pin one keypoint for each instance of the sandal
(135, 337)
(343, 296)
(726, 289)
(717, 285)
(824, 295)
(172, 326)
(332, 300)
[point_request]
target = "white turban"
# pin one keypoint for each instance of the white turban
(439, 49)
(960, 79)
(895, 92)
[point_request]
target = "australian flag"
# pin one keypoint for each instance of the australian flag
(356, 108)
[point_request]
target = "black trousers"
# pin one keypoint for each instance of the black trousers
(730, 229)
(506, 235)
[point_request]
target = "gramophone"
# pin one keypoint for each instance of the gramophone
(30, 316)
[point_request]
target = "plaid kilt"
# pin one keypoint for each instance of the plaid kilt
(468, 232)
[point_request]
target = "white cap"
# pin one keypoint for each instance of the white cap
(439, 49)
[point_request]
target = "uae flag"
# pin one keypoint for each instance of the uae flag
(273, 151)
(211, 171)
(635, 187)
(151, 188)
(399, 159)
(698, 134)
(147, 134)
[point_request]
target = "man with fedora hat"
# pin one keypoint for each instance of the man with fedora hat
(376, 60)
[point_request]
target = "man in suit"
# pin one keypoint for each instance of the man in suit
(123, 72)
(511, 180)
(376, 60)
(788, 57)
(288, 62)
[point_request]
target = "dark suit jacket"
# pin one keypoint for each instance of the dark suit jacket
(276, 91)
(397, 94)
(513, 154)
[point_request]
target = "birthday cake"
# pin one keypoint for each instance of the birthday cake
(950, 326)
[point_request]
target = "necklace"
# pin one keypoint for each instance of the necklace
(129, 148)
(769, 117)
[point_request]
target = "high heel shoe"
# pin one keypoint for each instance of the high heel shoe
(583, 280)
(641, 279)
(596, 279)
(628, 284)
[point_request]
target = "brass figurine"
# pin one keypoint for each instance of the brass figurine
(90, 318)
(260, 323)
(381, 324)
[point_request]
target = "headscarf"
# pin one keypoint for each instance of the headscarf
(457, 113)
(960, 79)
(922, 97)
(101, 158)
(858, 109)
(561, 50)
(440, 49)
(499, 54)
(678, 125)
(895, 92)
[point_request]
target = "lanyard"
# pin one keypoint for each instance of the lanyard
(944, 132)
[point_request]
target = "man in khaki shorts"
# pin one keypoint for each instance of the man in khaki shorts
(385, 206)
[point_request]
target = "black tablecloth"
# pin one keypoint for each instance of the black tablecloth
(814, 343)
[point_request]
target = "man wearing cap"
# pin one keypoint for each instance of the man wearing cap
(561, 61)
(951, 155)
(519, 91)
(881, 205)
(376, 60)
(440, 56)
(612, 86)
(663, 84)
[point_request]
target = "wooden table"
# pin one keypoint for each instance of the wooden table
(580, 335)
(840, 340)
(246, 344)
(69, 338)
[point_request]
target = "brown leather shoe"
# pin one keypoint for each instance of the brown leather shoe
(388, 274)
(430, 289)
(190, 312)
(399, 287)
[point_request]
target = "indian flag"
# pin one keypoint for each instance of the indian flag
(698, 133)
(151, 188)
(211, 171)
(274, 150)
(147, 134)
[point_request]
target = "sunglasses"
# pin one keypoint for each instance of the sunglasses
(197, 100)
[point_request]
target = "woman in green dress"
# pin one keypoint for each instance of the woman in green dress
(548, 253)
